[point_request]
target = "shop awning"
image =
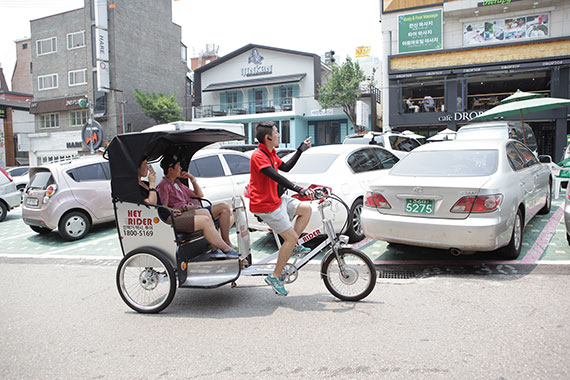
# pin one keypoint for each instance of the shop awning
(266, 81)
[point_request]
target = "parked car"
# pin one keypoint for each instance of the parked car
(567, 213)
(20, 176)
(10, 196)
(499, 130)
(347, 170)
(70, 196)
(221, 173)
(460, 195)
(396, 143)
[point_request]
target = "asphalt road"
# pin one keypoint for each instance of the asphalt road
(63, 319)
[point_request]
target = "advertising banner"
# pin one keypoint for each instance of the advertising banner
(506, 30)
(420, 31)
(103, 76)
(102, 41)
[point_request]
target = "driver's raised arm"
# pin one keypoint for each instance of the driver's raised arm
(286, 166)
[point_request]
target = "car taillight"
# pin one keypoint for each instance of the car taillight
(6, 174)
(51, 189)
(480, 203)
(299, 197)
(377, 200)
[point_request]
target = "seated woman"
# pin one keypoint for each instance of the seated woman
(186, 219)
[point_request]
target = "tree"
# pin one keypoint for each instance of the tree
(343, 89)
(162, 108)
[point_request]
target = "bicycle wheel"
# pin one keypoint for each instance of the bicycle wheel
(146, 281)
(359, 279)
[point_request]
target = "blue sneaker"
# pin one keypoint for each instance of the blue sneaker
(301, 250)
(276, 284)
(231, 254)
(218, 254)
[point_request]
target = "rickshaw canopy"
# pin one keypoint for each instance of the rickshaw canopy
(127, 151)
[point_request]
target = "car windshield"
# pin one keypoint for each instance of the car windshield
(482, 133)
(450, 163)
(357, 140)
(313, 163)
(17, 171)
(41, 180)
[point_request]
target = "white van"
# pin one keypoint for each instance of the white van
(499, 130)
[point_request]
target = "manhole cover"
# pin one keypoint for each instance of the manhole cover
(397, 275)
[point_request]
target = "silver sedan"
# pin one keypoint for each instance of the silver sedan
(464, 196)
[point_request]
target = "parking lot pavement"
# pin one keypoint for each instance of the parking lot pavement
(544, 243)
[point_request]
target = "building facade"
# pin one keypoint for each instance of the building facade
(256, 83)
(467, 55)
(86, 65)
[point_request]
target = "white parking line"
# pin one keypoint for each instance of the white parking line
(78, 246)
(18, 236)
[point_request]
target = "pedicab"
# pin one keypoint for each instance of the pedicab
(157, 259)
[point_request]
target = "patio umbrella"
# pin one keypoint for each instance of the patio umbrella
(412, 134)
(521, 103)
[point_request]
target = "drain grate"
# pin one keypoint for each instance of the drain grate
(400, 275)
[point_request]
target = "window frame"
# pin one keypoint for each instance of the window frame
(53, 116)
(72, 118)
(53, 45)
(69, 75)
(40, 77)
(82, 32)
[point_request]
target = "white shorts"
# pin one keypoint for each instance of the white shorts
(280, 219)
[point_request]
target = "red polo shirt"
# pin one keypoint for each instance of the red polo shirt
(263, 195)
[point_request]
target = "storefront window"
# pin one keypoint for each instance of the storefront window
(285, 133)
(485, 91)
(420, 96)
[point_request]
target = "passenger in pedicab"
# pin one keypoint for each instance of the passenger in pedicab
(177, 195)
(275, 209)
(186, 219)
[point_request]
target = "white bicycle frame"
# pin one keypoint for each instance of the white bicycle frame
(266, 265)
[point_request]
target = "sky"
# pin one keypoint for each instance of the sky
(313, 26)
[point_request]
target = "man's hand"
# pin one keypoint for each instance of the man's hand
(305, 144)
(187, 175)
(151, 176)
(307, 193)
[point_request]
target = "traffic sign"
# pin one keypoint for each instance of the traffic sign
(92, 134)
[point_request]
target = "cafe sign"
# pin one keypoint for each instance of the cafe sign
(258, 68)
(460, 116)
(420, 31)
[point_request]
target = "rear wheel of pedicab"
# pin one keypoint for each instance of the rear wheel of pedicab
(359, 278)
(146, 280)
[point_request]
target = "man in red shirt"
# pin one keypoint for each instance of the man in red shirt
(274, 209)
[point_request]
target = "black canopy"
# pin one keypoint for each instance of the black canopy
(127, 151)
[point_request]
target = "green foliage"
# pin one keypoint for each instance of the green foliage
(162, 108)
(343, 89)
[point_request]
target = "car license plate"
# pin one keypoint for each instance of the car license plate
(32, 201)
(419, 206)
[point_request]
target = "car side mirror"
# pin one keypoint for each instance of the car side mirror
(545, 159)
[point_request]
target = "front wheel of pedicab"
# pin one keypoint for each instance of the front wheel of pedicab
(146, 280)
(359, 275)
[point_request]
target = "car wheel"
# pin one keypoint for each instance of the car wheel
(513, 249)
(74, 226)
(40, 230)
(546, 208)
(354, 230)
(3, 211)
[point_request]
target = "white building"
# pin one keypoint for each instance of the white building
(256, 83)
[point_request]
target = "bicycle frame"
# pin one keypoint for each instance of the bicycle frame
(265, 266)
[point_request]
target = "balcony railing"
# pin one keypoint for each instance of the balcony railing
(243, 108)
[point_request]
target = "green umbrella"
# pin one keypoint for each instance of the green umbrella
(521, 103)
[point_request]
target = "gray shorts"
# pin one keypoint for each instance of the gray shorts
(280, 219)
